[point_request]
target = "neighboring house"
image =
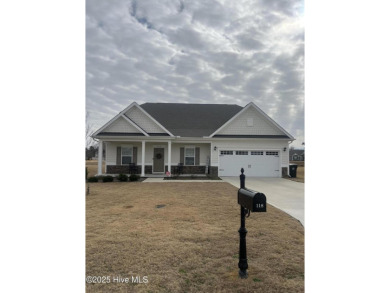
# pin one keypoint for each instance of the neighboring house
(216, 139)
(297, 155)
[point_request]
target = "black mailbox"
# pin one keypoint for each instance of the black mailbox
(252, 200)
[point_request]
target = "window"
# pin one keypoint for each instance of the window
(189, 156)
(127, 155)
(242, 153)
(226, 152)
(271, 153)
(256, 153)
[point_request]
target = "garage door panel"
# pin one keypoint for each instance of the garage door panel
(230, 165)
(256, 163)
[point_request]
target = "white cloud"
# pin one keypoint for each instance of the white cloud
(196, 51)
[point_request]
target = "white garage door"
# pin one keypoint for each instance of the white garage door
(257, 163)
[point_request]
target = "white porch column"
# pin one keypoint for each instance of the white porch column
(100, 157)
(143, 159)
(169, 155)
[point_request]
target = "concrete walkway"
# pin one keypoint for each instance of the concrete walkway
(283, 194)
(151, 180)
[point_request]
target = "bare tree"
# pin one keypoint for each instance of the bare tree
(89, 141)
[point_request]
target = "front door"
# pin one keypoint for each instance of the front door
(158, 160)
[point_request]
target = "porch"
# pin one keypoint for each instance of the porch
(155, 158)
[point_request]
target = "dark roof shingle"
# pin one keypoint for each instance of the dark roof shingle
(191, 120)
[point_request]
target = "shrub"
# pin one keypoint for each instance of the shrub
(134, 177)
(108, 178)
(122, 177)
(93, 179)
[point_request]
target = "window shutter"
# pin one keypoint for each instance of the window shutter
(182, 155)
(118, 155)
(135, 155)
(197, 153)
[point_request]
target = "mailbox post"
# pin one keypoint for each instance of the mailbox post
(250, 201)
(243, 263)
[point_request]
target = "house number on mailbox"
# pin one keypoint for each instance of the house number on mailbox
(259, 205)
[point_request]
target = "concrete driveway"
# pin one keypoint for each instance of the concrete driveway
(283, 194)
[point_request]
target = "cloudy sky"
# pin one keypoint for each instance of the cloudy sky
(211, 51)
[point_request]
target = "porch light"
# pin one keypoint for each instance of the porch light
(215, 148)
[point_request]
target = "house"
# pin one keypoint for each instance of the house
(297, 155)
(216, 139)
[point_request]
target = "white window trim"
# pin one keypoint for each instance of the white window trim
(189, 147)
(132, 153)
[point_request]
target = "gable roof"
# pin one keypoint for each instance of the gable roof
(297, 152)
(282, 133)
(184, 120)
(121, 116)
(103, 130)
(191, 120)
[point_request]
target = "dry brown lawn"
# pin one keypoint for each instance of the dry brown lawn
(191, 244)
(92, 166)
